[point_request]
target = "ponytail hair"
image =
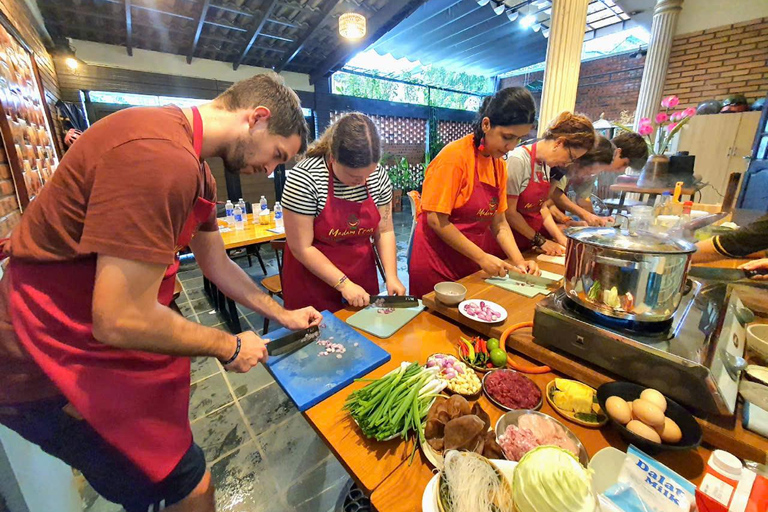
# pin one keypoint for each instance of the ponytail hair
(577, 130)
(508, 107)
(352, 140)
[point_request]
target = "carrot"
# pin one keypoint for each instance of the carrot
(512, 364)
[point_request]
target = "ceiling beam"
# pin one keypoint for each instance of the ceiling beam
(128, 30)
(198, 29)
(254, 32)
(393, 12)
(325, 11)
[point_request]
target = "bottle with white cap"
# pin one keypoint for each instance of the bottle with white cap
(721, 477)
(239, 218)
(263, 203)
(241, 204)
(229, 208)
(279, 216)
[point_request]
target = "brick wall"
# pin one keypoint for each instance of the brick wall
(606, 86)
(714, 63)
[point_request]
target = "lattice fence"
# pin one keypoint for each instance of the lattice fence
(452, 130)
(400, 136)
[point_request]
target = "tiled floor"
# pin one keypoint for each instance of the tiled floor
(263, 455)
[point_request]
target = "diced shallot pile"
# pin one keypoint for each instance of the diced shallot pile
(331, 348)
(385, 311)
(481, 311)
(449, 366)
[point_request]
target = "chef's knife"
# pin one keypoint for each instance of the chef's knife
(725, 274)
(531, 279)
(293, 341)
(394, 301)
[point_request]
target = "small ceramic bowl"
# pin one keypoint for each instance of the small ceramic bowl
(757, 339)
(450, 293)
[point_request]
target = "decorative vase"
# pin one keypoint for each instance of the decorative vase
(655, 172)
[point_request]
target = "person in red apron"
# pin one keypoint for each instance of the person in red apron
(567, 138)
(335, 201)
(91, 275)
(462, 228)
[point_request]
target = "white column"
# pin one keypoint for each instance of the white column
(561, 71)
(656, 62)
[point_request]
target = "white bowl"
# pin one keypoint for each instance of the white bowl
(757, 339)
(450, 293)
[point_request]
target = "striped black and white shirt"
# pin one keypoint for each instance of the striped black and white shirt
(306, 188)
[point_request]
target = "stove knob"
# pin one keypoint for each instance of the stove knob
(745, 316)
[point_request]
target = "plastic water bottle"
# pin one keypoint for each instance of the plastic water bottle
(229, 208)
(241, 204)
(263, 203)
(239, 218)
(279, 216)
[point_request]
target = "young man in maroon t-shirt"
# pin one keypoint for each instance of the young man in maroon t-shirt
(94, 367)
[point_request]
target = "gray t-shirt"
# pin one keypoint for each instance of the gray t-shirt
(519, 171)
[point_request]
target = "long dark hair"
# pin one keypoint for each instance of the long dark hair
(508, 107)
(352, 140)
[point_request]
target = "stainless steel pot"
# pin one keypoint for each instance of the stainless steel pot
(638, 276)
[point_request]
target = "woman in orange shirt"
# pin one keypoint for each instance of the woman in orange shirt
(462, 227)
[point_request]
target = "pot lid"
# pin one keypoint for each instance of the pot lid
(642, 241)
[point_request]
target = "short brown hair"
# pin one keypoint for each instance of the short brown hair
(601, 153)
(352, 140)
(268, 90)
(576, 129)
(632, 146)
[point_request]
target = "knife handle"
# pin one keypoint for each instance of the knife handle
(756, 272)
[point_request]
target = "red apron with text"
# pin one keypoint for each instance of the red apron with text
(343, 232)
(434, 261)
(137, 401)
(531, 200)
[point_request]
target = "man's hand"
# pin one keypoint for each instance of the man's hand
(494, 266)
(394, 286)
(761, 264)
(253, 350)
(300, 318)
(552, 248)
(594, 220)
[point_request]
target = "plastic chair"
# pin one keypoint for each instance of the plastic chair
(415, 199)
(274, 284)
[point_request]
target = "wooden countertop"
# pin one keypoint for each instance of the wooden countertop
(252, 234)
(633, 187)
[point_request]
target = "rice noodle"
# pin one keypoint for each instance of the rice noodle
(473, 484)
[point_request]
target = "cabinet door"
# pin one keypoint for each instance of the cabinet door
(742, 144)
(710, 139)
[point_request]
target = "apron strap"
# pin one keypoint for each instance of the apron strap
(532, 151)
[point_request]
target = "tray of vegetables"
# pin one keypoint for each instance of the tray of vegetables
(459, 377)
(482, 355)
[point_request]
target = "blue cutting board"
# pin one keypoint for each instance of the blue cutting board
(383, 326)
(309, 379)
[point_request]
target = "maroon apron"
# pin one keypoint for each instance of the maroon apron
(137, 401)
(343, 232)
(433, 261)
(530, 201)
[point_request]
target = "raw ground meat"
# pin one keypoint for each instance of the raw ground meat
(548, 432)
(513, 390)
(516, 442)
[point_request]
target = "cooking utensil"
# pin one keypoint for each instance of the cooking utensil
(542, 280)
(512, 418)
(383, 323)
(638, 276)
(726, 274)
(293, 341)
(395, 301)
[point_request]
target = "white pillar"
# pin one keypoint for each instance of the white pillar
(656, 62)
(561, 70)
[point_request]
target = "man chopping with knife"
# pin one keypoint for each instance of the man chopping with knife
(94, 365)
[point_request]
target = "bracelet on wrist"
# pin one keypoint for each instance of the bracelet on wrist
(237, 352)
(538, 240)
(342, 280)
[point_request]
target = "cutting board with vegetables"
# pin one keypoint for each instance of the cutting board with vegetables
(308, 377)
(513, 285)
(383, 322)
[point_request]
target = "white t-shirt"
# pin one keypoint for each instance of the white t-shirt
(306, 188)
(519, 171)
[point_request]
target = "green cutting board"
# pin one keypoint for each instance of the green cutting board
(383, 326)
(513, 285)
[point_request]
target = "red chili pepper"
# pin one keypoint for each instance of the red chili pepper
(489, 365)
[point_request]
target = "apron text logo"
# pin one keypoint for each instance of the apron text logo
(338, 233)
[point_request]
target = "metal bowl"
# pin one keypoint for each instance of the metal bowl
(502, 406)
(512, 417)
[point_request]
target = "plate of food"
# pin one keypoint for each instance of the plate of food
(483, 311)
(459, 377)
(482, 355)
(511, 390)
(575, 402)
(519, 432)
(456, 424)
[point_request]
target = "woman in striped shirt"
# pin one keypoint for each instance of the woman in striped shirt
(336, 201)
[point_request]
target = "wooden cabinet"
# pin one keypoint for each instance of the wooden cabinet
(721, 144)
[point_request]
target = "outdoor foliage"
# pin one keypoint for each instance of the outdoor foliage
(405, 176)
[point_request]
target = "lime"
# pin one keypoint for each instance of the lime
(492, 344)
(498, 358)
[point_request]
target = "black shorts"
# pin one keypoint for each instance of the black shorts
(109, 472)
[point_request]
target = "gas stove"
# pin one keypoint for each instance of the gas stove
(695, 357)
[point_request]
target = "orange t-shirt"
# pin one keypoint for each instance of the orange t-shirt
(450, 177)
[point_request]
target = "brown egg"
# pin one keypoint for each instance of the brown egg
(648, 413)
(655, 398)
(643, 430)
(670, 432)
(618, 409)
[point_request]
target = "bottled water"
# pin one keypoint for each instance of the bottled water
(241, 204)
(263, 203)
(278, 215)
(239, 218)
(229, 208)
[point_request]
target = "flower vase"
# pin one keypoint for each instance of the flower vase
(655, 172)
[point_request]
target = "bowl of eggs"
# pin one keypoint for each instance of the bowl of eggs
(648, 419)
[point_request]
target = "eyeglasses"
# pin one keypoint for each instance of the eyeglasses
(570, 156)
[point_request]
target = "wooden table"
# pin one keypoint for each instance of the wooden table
(652, 192)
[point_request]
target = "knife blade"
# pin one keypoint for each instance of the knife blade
(293, 341)
(394, 301)
(531, 279)
(726, 274)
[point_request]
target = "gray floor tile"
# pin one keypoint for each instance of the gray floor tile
(328, 474)
(210, 318)
(187, 310)
(267, 407)
(201, 305)
(191, 284)
(208, 395)
(244, 482)
(245, 383)
(292, 449)
(192, 273)
(203, 367)
(325, 502)
(195, 294)
(220, 432)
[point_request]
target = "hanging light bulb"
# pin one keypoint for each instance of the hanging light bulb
(352, 25)
(71, 63)
(512, 15)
